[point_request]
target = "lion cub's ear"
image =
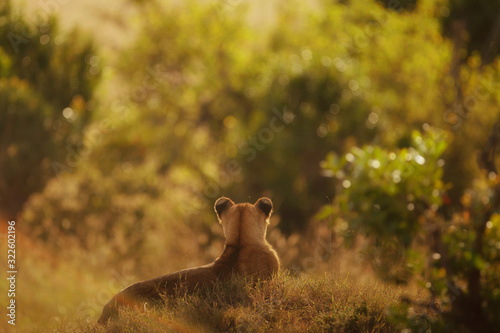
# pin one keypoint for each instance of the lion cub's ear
(265, 205)
(221, 205)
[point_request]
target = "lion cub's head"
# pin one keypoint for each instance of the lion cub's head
(244, 223)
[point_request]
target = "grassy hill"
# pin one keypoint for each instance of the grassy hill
(285, 304)
(65, 292)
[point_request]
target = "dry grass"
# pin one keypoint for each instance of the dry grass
(287, 303)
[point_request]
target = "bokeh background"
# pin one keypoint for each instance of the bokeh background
(372, 125)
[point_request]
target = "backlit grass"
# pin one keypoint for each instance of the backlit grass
(286, 303)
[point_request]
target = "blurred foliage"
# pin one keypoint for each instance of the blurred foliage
(391, 202)
(43, 73)
(206, 104)
(477, 22)
(399, 5)
(384, 195)
(216, 98)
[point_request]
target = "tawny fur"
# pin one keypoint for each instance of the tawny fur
(246, 252)
(246, 225)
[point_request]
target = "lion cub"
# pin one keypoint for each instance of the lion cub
(246, 252)
(245, 226)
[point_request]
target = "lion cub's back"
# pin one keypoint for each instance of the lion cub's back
(259, 261)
